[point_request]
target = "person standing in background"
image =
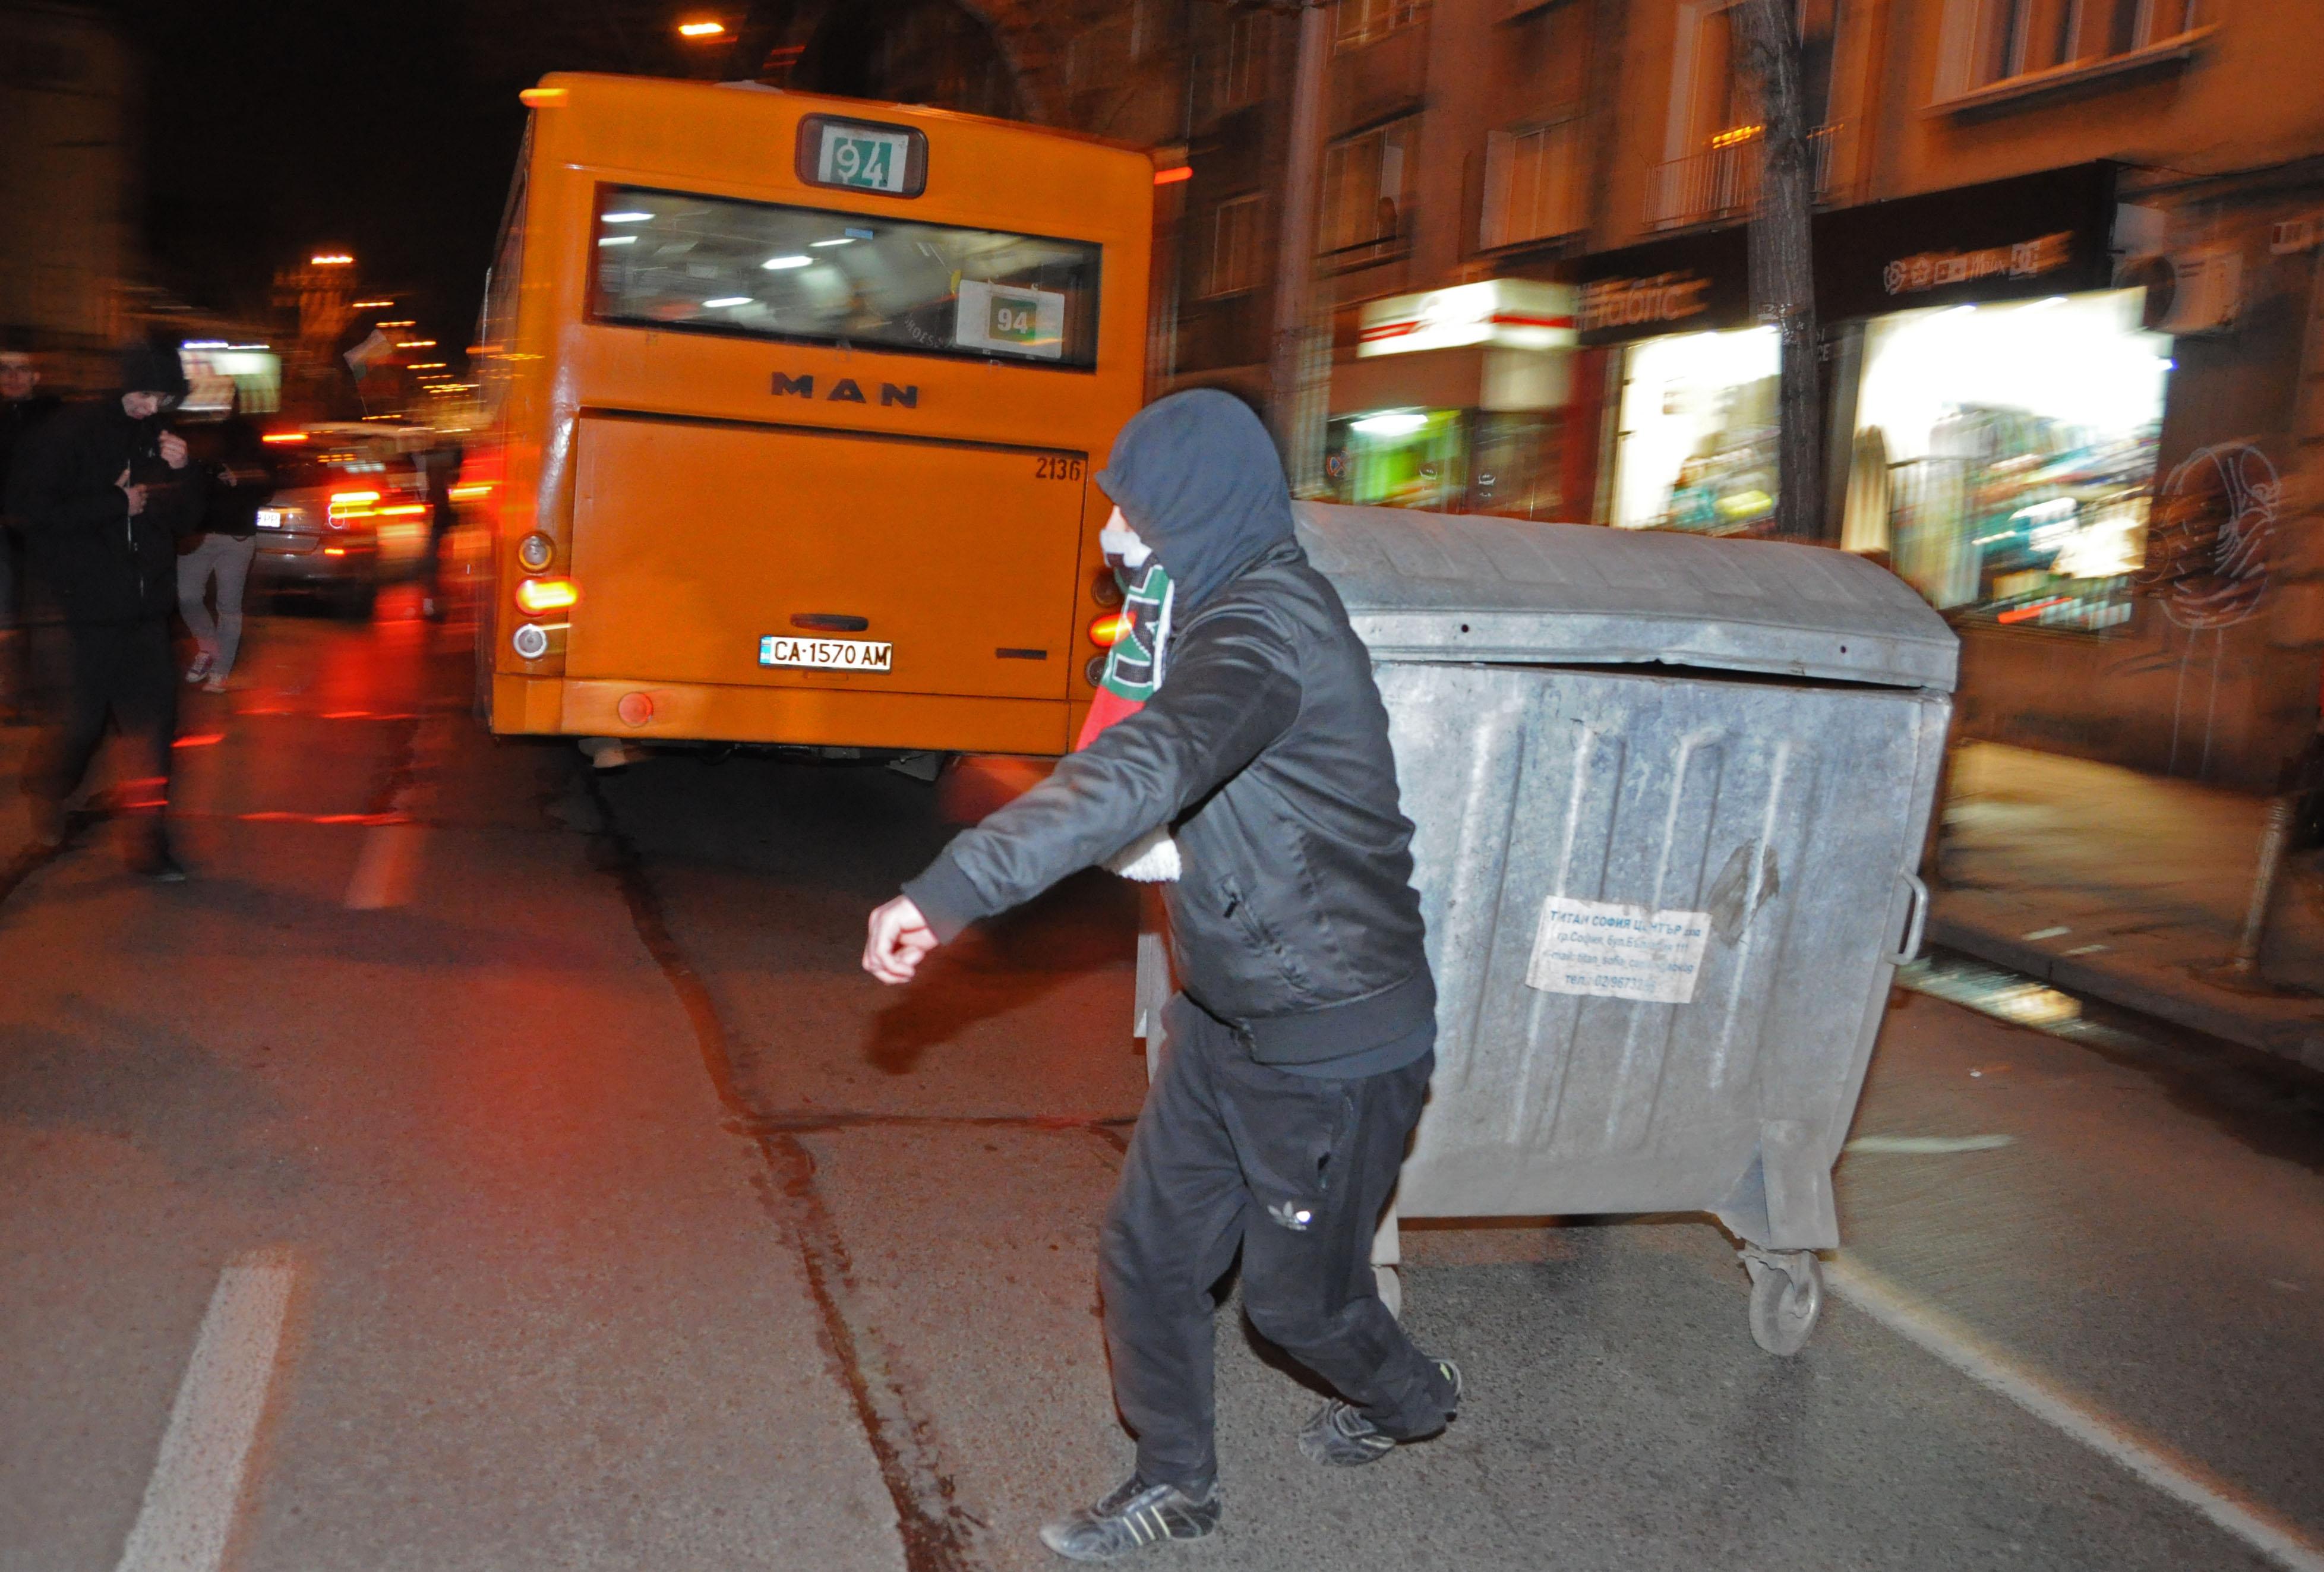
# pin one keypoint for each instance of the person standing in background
(441, 467)
(22, 406)
(103, 493)
(242, 478)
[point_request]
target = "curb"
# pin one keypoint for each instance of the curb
(2150, 971)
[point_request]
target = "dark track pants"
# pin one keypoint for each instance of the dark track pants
(1292, 1170)
(125, 671)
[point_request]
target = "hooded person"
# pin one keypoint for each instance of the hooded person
(1300, 1047)
(103, 492)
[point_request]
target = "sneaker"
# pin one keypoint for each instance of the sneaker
(1133, 1515)
(1339, 1436)
(217, 683)
(198, 670)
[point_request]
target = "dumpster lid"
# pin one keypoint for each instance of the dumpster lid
(1474, 588)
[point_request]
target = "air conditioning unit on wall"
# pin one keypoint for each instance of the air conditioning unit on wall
(2197, 289)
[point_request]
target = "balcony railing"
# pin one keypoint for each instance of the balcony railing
(1723, 181)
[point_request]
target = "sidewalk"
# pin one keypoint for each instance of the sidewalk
(2125, 888)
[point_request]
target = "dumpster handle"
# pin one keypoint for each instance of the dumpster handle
(1918, 923)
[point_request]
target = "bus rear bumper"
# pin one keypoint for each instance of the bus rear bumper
(813, 716)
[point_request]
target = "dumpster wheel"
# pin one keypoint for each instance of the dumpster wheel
(1786, 1296)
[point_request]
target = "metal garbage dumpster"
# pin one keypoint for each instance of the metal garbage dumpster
(1670, 793)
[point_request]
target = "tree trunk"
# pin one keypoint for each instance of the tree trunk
(1783, 271)
(1298, 365)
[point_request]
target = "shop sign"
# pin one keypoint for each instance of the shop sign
(1511, 313)
(1935, 268)
(2046, 234)
(1668, 298)
(1693, 283)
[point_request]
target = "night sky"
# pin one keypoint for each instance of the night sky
(275, 128)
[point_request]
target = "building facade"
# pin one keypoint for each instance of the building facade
(67, 183)
(2065, 254)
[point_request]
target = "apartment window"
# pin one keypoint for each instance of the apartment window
(1992, 43)
(1359, 22)
(1364, 198)
(1232, 263)
(1239, 63)
(1533, 182)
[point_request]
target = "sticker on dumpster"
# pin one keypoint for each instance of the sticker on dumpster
(1617, 950)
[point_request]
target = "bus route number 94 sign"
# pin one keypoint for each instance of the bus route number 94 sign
(1012, 320)
(851, 155)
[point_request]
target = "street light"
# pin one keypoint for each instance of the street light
(701, 30)
(331, 259)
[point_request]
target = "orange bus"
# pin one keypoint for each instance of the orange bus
(800, 399)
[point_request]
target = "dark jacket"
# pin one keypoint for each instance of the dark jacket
(102, 565)
(18, 417)
(1266, 748)
(241, 472)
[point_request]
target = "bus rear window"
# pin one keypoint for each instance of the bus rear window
(666, 259)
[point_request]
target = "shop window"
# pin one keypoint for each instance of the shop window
(2005, 456)
(1717, 138)
(1534, 184)
(1364, 197)
(1407, 458)
(1995, 44)
(1238, 69)
(1231, 261)
(1697, 440)
(1361, 22)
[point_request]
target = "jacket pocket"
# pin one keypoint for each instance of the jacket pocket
(1268, 952)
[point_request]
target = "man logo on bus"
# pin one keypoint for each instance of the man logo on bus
(846, 392)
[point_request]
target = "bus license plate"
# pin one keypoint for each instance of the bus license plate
(825, 654)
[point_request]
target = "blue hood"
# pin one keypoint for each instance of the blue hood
(1198, 478)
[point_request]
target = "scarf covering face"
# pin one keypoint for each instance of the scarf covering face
(1133, 670)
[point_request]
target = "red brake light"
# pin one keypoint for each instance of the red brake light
(536, 596)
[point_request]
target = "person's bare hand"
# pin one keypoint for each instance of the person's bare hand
(135, 494)
(899, 940)
(173, 450)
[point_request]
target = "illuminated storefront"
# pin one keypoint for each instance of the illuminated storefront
(1458, 401)
(1996, 409)
(2005, 453)
(2062, 406)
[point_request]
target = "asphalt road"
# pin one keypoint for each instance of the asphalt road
(482, 1164)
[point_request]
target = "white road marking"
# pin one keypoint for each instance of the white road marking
(186, 1519)
(385, 868)
(1929, 1143)
(2183, 1479)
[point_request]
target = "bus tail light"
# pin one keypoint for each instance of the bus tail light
(536, 552)
(536, 596)
(1110, 629)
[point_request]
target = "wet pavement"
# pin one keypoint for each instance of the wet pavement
(487, 1164)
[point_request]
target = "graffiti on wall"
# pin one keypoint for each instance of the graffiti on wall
(2210, 536)
(2209, 542)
